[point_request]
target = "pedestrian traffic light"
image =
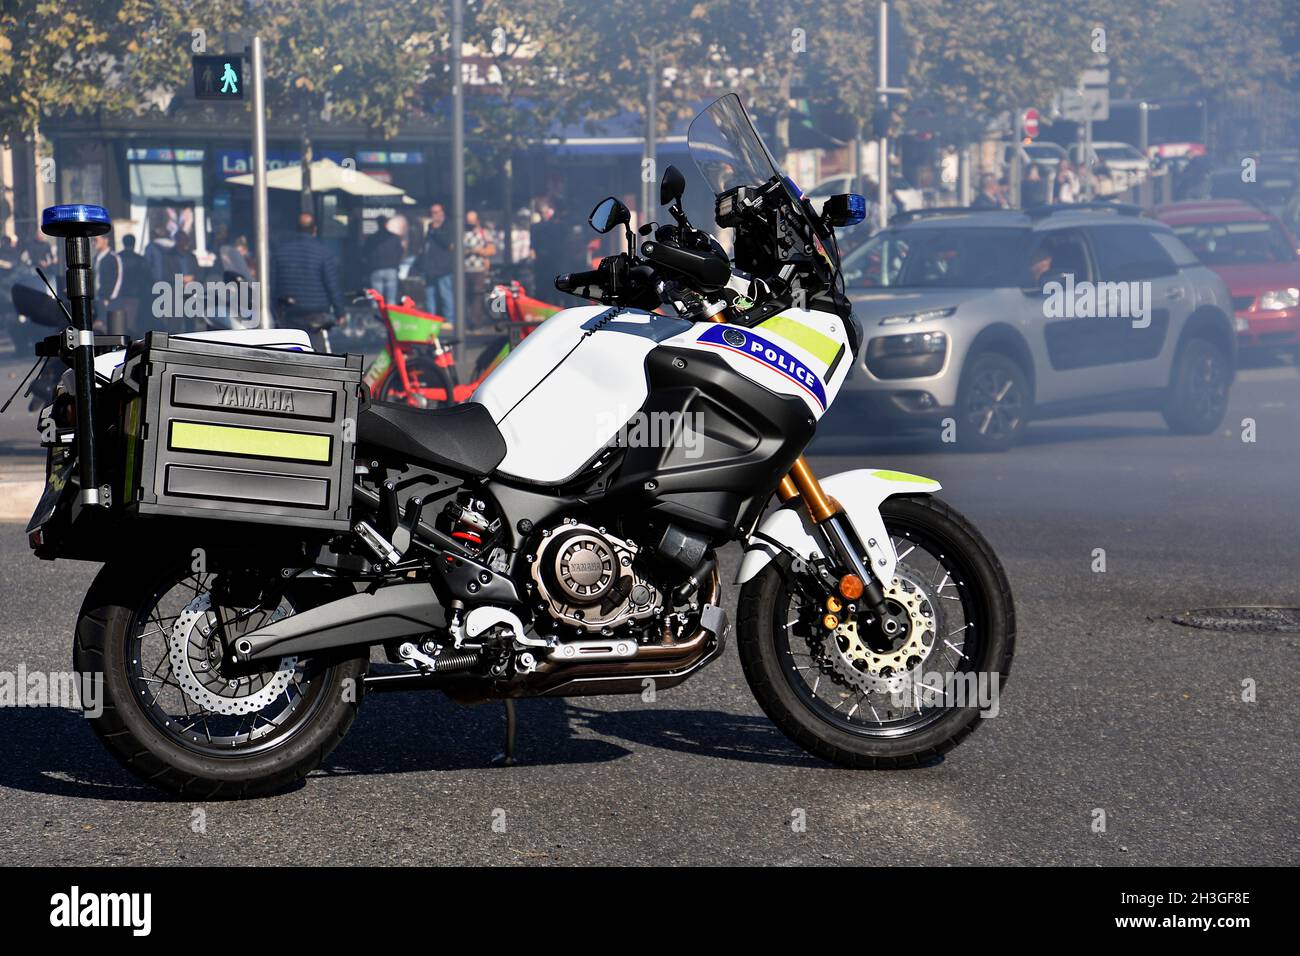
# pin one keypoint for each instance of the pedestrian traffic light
(219, 77)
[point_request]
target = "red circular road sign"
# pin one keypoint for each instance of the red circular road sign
(1029, 123)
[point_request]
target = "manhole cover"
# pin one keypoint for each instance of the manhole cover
(1253, 620)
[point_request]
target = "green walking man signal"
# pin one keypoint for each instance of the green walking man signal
(219, 77)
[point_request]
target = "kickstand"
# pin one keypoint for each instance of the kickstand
(507, 757)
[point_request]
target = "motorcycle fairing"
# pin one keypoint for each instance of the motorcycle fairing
(861, 493)
(799, 352)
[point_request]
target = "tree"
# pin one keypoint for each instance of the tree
(537, 77)
(84, 56)
(976, 59)
(367, 62)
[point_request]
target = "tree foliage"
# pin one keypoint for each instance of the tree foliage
(381, 62)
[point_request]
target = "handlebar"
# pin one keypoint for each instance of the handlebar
(572, 281)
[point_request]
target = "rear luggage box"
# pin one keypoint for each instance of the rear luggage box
(240, 433)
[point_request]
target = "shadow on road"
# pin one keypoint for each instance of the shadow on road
(58, 755)
(412, 732)
(53, 751)
(843, 443)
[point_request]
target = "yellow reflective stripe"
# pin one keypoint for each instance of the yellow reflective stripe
(809, 339)
(902, 476)
(259, 442)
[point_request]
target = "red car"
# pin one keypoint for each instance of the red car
(1256, 257)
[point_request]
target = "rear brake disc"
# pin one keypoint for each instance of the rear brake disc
(195, 651)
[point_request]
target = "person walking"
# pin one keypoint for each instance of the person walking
(109, 281)
(305, 283)
(479, 250)
(547, 241)
(136, 288)
(382, 253)
(438, 265)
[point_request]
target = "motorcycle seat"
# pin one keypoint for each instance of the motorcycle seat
(462, 439)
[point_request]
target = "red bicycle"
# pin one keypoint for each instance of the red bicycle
(415, 367)
(523, 315)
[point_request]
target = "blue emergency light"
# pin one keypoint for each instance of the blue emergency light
(75, 219)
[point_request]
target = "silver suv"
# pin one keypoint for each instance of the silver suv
(980, 321)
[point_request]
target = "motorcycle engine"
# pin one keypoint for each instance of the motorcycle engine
(589, 579)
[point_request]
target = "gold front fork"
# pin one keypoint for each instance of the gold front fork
(837, 534)
(802, 483)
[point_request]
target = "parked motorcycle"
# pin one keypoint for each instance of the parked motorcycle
(263, 527)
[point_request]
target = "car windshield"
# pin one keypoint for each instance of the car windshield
(1118, 153)
(1042, 153)
(1236, 243)
(965, 258)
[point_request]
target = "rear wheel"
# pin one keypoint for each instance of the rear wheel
(176, 714)
(993, 403)
(1198, 389)
(854, 696)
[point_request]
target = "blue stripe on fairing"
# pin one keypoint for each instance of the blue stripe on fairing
(745, 342)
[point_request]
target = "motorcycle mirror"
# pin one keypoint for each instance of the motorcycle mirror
(608, 214)
(672, 186)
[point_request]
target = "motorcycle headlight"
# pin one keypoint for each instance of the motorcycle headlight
(913, 317)
(1279, 299)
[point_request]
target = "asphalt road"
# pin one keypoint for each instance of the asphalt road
(1110, 705)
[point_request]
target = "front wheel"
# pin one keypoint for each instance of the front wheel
(845, 690)
(1198, 389)
(993, 403)
(175, 713)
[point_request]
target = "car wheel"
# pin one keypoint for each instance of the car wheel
(993, 403)
(1198, 389)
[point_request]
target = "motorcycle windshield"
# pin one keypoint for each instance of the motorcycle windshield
(730, 153)
(727, 149)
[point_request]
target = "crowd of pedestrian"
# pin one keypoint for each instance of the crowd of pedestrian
(542, 240)
(1038, 186)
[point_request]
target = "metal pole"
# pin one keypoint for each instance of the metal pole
(458, 168)
(882, 199)
(1013, 175)
(1087, 158)
(261, 227)
(79, 280)
(651, 137)
(1144, 141)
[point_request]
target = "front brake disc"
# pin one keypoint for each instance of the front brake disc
(872, 670)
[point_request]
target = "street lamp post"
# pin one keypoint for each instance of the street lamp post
(260, 217)
(458, 167)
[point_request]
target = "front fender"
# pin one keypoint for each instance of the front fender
(860, 492)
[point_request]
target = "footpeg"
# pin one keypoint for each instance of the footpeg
(378, 545)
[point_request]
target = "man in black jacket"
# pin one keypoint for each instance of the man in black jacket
(438, 264)
(137, 289)
(305, 283)
(382, 253)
